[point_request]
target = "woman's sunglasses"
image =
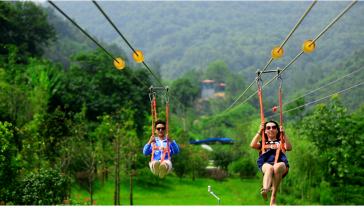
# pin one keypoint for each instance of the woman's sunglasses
(160, 128)
(269, 127)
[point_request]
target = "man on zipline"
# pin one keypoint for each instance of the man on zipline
(161, 160)
(273, 168)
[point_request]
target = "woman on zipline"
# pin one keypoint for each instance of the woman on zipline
(272, 163)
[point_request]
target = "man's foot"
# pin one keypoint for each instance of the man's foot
(264, 193)
(156, 168)
(162, 171)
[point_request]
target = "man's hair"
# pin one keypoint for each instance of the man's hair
(160, 122)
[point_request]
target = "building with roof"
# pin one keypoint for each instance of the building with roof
(211, 90)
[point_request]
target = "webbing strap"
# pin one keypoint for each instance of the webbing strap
(167, 108)
(261, 117)
(281, 118)
(155, 108)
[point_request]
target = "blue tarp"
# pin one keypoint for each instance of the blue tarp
(214, 140)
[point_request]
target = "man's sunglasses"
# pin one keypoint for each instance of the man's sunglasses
(269, 127)
(160, 128)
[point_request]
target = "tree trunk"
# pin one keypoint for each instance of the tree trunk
(308, 187)
(103, 165)
(131, 187)
(91, 171)
(193, 175)
(102, 175)
(303, 183)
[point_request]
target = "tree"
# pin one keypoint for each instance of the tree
(217, 71)
(44, 187)
(53, 129)
(25, 24)
(184, 91)
(9, 165)
(181, 161)
(297, 113)
(95, 82)
(222, 157)
(331, 130)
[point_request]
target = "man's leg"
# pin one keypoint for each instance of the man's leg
(154, 167)
(165, 168)
(268, 172)
(279, 170)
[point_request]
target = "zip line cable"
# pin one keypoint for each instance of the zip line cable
(284, 42)
(323, 86)
(74, 23)
(313, 101)
(133, 49)
(316, 89)
(342, 13)
(266, 83)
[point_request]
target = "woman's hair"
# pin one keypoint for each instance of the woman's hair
(279, 131)
(160, 122)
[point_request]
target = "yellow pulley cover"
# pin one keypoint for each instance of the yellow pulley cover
(275, 53)
(138, 58)
(121, 63)
(306, 46)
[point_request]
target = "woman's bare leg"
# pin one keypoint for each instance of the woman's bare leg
(279, 170)
(268, 171)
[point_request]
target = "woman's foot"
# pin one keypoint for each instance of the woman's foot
(273, 201)
(264, 193)
(156, 168)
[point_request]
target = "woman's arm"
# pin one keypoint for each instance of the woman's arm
(255, 141)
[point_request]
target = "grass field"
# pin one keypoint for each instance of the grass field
(173, 191)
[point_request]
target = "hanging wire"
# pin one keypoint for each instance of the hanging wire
(342, 13)
(74, 23)
(317, 89)
(289, 35)
(319, 99)
(310, 102)
(323, 86)
(134, 51)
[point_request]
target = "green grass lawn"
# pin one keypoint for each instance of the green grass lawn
(173, 191)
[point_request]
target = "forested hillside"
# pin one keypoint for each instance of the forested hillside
(186, 35)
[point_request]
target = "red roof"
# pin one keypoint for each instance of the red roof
(222, 84)
(208, 81)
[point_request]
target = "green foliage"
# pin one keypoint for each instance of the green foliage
(9, 164)
(217, 71)
(245, 168)
(53, 129)
(92, 80)
(297, 113)
(181, 162)
(186, 35)
(25, 24)
(222, 157)
(184, 91)
(45, 187)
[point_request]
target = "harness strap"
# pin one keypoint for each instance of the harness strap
(167, 112)
(261, 118)
(155, 108)
(165, 149)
